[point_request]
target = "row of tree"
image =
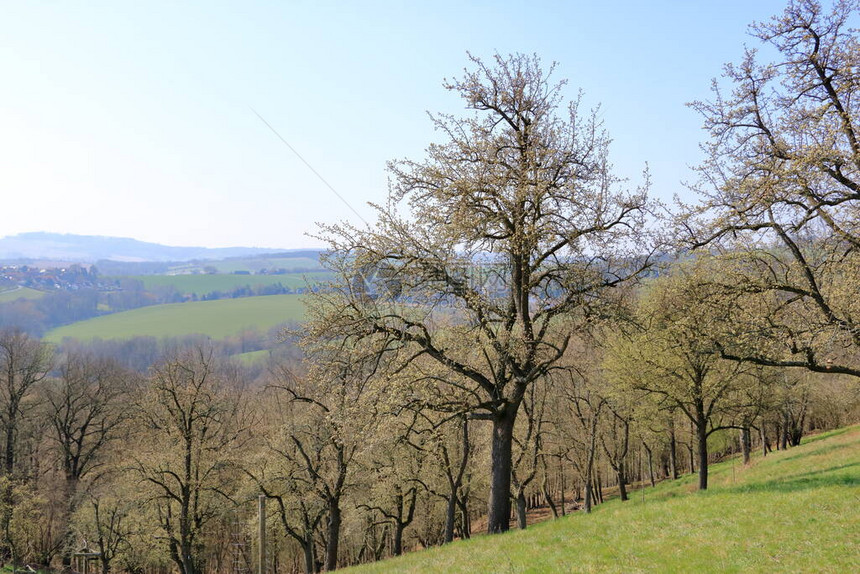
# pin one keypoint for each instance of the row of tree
(160, 471)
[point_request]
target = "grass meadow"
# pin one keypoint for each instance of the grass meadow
(251, 264)
(216, 319)
(20, 293)
(792, 511)
(203, 283)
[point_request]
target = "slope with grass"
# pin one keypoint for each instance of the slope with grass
(793, 511)
(216, 319)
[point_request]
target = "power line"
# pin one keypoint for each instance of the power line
(310, 167)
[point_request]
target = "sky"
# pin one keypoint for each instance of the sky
(140, 119)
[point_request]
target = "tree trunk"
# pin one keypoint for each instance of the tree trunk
(622, 487)
(673, 450)
(690, 448)
(763, 434)
(561, 485)
(702, 439)
(71, 489)
(9, 459)
(589, 495)
(651, 477)
(500, 486)
(796, 435)
(547, 497)
(463, 503)
(797, 424)
(333, 534)
(746, 444)
(450, 514)
(783, 435)
(399, 527)
(522, 514)
(308, 549)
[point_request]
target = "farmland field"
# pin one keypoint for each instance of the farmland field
(20, 293)
(252, 264)
(216, 319)
(203, 284)
(256, 263)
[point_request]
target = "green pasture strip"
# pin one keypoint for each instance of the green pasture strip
(288, 263)
(216, 319)
(253, 357)
(22, 293)
(226, 282)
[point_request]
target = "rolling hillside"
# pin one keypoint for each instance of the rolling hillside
(217, 319)
(793, 511)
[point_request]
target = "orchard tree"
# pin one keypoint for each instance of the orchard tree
(194, 419)
(328, 416)
(781, 188)
(492, 250)
(394, 477)
(447, 444)
(85, 410)
(673, 356)
(85, 407)
(528, 447)
(110, 519)
(24, 362)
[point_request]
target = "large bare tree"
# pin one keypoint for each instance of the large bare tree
(24, 363)
(194, 420)
(493, 249)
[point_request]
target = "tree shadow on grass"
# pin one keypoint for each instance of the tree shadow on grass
(825, 478)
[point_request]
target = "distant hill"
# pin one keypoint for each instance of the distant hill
(92, 248)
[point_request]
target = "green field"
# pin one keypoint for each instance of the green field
(254, 357)
(793, 511)
(256, 263)
(203, 284)
(20, 293)
(252, 264)
(216, 319)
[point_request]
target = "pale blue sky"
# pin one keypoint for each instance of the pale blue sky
(134, 119)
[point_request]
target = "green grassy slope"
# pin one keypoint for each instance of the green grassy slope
(793, 511)
(217, 319)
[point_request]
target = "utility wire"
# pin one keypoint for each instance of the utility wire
(310, 167)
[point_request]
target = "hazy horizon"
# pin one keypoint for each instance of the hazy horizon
(197, 246)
